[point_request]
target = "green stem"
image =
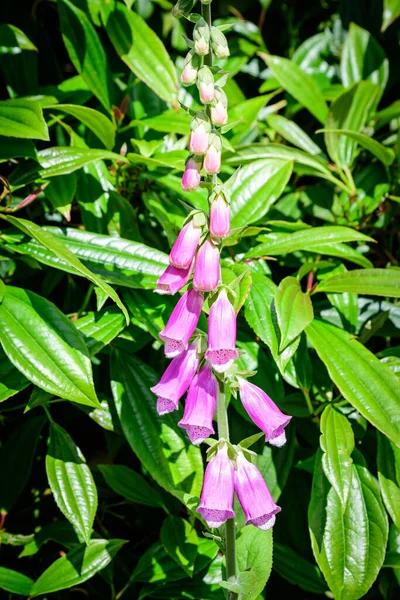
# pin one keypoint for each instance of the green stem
(206, 14)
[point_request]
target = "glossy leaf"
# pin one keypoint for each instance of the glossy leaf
(375, 282)
(100, 328)
(61, 192)
(372, 388)
(385, 155)
(63, 253)
(298, 570)
(93, 119)
(348, 546)
(391, 12)
(143, 52)
(290, 131)
(293, 310)
(299, 84)
(389, 476)
(22, 119)
(45, 346)
(307, 239)
(130, 485)
(71, 481)
(180, 541)
(14, 582)
(86, 51)
(12, 381)
(337, 443)
(79, 565)
(153, 438)
(256, 188)
(254, 551)
(13, 40)
(15, 463)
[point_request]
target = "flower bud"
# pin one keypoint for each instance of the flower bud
(219, 44)
(221, 350)
(212, 159)
(219, 113)
(207, 268)
(205, 83)
(200, 406)
(220, 217)
(216, 502)
(191, 176)
(173, 280)
(200, 128)
(182, 323)
(190, 68)
(184, 249)
(201, 37)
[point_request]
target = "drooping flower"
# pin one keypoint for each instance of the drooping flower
(207, 268)
(190, 68)
(219, 113)
(216, 502)
(201, 37)
(220, 217)
(173, 280)
(182, 323)
(184, 249)
(219, 43)
(254, 496)
(176, 380)
(191, 176)
(205, 84)
(200, 406)
(200, 128)
(264, 412)
(221, 350)
(212, 159)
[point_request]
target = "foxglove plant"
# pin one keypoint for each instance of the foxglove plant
(206, 368)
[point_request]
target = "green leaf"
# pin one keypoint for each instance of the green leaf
(169, 121)
(79, 565)
(254, 551)
(61, 191)
(375, 282)
(22, 119)
(180, 541)
(307, 239)
(348, 546)
(13, 40)
(293, 309)
(45, 346)
(15, 462)
(93, 119)
(130, 485)
(337, 443)
(290, 131)
(118, 261)
(299, 84)
(86, 51)
(153, 438)
(275, 464)
(63, 253)
(298, 570)
(256, 188)
(100, 328)
(11, 147)
(363, 58)
(385, 155)
(171, 160)
(14, 582)
(244, 583)
(12, 381)
(143, 52)
(71, 481)
(372, 388)
(389, 476)
(391, 12)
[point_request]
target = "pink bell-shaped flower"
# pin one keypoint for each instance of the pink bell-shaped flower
(201, 37)
(212, 159)
(263, 412)
(221, 350)
(200, 406)
(190, 68)
(184, 249)
(254, 496)
(200, 128)
(219, 112)
(173, 280)
(220, 217)
(182, 323)
(205, 84)
(207, 268)
(216, 502)
(191, 176)
(176, 380)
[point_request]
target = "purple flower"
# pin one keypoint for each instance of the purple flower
(265, 414)
(216, 502)
(176, 380)
(221, 334)
(182, 323)
(220, 217)
(254, 496)
(207, 268)
(184, 249)
(200, 406)
(191, 176)
(173, 280)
